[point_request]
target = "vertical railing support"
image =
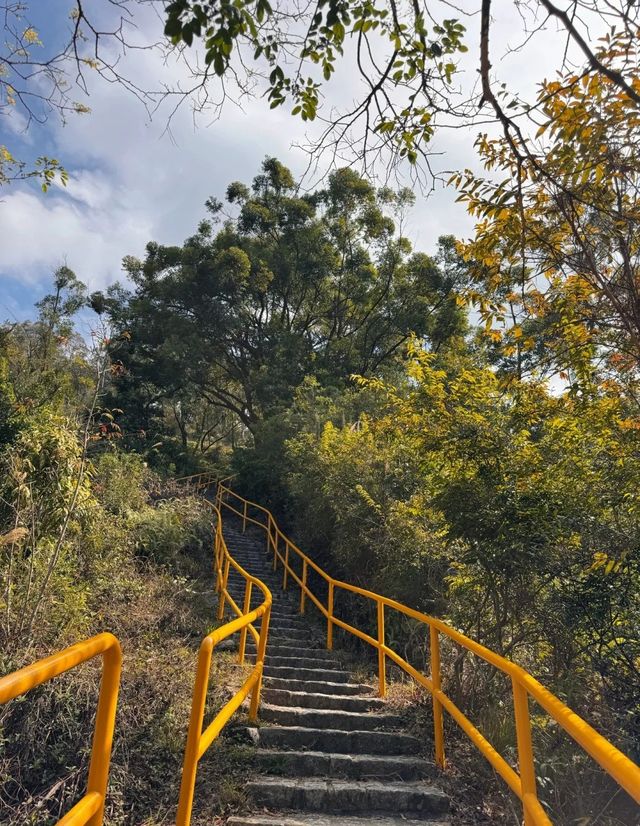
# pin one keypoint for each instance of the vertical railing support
(330, 618)
(438, 724)
(221, 600)
(262, 645)
(285, 573)
(103, 731)
(190, 765)
(244, 516)
(275, 551)
(382, 666)
(216, 557)
(303, 590)
(245, 610)
(525, 746)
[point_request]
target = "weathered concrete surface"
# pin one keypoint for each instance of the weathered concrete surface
(353, 766)
(331, 795)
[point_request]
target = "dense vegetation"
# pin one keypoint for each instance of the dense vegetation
(302, 344)
(90, 540)
(459, 430)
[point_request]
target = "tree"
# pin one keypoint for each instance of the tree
(513, 513)
(48, 361)
(292, 286)
(45, 79)
(556, 250)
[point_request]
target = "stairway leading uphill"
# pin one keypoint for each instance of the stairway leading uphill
(331, 753)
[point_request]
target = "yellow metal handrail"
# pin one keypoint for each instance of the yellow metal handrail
(198, 741)
(522, 783)
(90, 808)
(200, 481)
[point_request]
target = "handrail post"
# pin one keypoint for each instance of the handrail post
(525, 746)
(275, 553)
(103, 730)
(219, 553)
(245, 610)
(330, 617)
(438, 726)
(216, 555)
(190, 764)
(244, 516)
(262, 645)
(303, 594)
(382, 676)
(286, 567)
(225, 579)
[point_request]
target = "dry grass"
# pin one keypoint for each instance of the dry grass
(160, 617)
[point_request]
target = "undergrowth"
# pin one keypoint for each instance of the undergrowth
(152, 586)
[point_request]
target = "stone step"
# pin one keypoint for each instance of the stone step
(311, 674)
(279, 601)
(314, 794)
(322, 744)
(238, 581)
(353, 766)
(327, 718)
(283, 626)
(307, 699)
(319, 686)
(300, 661)
(253, 561)
(238, 593)
(288, 624)
(291, 634)
(287, 610)
(319, 652)
(299, 819)
(288, 617)
(299, 738)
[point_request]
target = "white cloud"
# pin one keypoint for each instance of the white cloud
(38, 234)
(130, 182)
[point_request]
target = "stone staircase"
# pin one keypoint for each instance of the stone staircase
(330, 752)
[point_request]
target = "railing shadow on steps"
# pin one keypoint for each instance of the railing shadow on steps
(524, 686)
(89, 810)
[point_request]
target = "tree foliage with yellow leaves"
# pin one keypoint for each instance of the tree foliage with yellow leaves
(511, 512)
(556, 253)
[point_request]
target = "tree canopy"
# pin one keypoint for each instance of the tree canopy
(293, 285)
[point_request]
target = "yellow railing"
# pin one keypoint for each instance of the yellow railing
(90, 808)
(198, 741)
(524, 686)
(200, 481)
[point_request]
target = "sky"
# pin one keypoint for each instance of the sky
(131, 180)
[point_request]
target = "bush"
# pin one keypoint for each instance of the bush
(119, 481)
(171, 528)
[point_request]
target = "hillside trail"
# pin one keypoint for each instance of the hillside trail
(328, 751)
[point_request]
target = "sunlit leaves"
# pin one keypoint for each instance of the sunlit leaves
(556, 242)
